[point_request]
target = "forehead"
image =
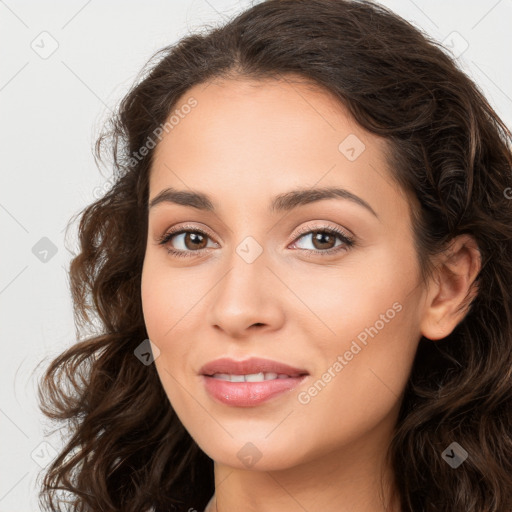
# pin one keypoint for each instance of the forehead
(255, 139)
(259, 113)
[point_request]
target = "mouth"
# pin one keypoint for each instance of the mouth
(252, 368)
(251, 382)
(252, 377)
(244, 393)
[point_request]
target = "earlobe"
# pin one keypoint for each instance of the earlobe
(452, 289)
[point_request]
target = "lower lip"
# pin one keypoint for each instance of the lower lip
(248, 394)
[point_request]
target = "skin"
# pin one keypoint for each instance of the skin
(244, 143)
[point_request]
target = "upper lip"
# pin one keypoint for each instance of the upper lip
(248, 366)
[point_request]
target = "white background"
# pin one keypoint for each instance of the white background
(51, 111)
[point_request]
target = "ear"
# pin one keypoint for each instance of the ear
(452, 288)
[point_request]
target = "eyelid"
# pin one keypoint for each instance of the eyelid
(175, 230)
(348, 239)
(308, 229)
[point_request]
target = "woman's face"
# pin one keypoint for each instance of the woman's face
(269, 278)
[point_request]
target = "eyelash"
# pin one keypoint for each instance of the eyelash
(347, 240)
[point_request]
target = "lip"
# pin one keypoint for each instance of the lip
(251, 365)
(249, 394)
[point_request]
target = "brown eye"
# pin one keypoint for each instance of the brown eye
(194, 240)
(185, 242)
(323, 239)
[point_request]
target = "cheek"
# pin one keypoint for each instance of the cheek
(171, 304)
(163, 307)
(154, 302)
(359, 384)
(167, 296)
(345, 299)
(365, 332)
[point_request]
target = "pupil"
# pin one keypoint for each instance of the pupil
(321, 236)
(196, 239)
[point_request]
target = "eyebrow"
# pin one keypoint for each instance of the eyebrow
(280, 203)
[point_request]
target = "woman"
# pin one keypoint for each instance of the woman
(303, 276)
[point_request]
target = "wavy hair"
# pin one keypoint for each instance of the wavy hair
(127, 450)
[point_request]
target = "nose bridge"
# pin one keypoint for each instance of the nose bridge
(244, 296)
(247, 263)
(248, 242)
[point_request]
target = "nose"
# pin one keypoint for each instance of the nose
(248, 297)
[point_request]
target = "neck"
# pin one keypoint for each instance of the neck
(356, 478)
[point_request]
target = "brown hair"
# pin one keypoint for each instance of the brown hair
(127, 449)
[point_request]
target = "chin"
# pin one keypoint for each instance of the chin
(258, 454)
